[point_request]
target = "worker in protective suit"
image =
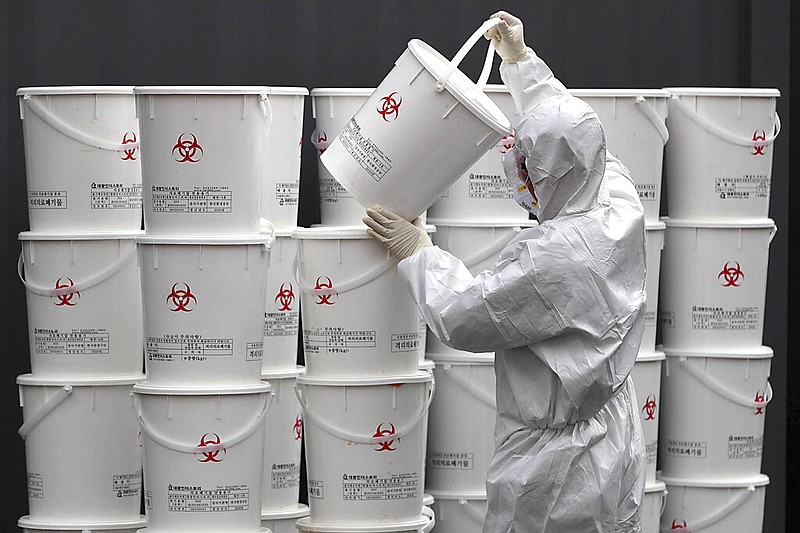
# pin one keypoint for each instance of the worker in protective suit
(563, 310)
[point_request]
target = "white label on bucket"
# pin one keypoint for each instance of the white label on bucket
(127, 485)
(365, 151)
(186, 348)
(489, 187)
(651, 452)
(285, 475)
(374, 487)
(712, 317)
(255, 351)
(451, 460)
(745, 446)
(405, 342)
(743, 187)
(281, 324)
(330, 190)
(315, 489)
(47, 199)
(170, 199)
(116, 196)
(649, 319)
(35, 486)
(337, 340)
(682, 448)
(148, 499)
(51, 341)
(222, 498)
(287, 193)
(647, 191)
(668, 319)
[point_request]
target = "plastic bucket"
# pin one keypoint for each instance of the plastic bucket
(248, 530)
(459, 512)
(83, 461)
(712, 416)
(655, 498)
(715, 506)
(425, 122)
(634, 124)
(483, 193)
(646, 376)
(27, 525)
(365, 447)
(283, 430)
(284, 521)
(205, 158)
(204, 302)
(81, 159)
(282, 313)
(424, 524)
(718, 163)
(654, 238)
(358, 317)
(461, 424)
(84, 304)
(203, 453)
(713, 284)
(281, 189)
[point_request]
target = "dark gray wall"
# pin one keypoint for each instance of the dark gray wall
(318, 43)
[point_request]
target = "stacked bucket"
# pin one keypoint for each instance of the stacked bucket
(84, 307)
(715, 386)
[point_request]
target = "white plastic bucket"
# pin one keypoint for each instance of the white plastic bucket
(712, 416)
(654, 238)
(81, 159)
(204, 301)
(283, 430)
(646, 376)
(483, 193)
(203, 452)
(424, 524)
(281, 189)
(714, 283)
(84, 304)
(655, 498)
(282, 313)
(461, 423)
(634, 124)
(82, 457)
(27, 525)
(358, 317)
(262, 530)
(459, 512)
(418, 132)
(718, 163)
(715, 506)
(365, 447)
(204, 158)
(284, 521)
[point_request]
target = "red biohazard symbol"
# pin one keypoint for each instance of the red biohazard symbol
(187, 149)
(298, 428)
(506, 143)
(182, 298)
(679, 525)
(322, 139)
(66, 299)
(731, 275)
(650, 407)
(286, 297)
(760, 399)
(128, 140)
(759, 135)
(389, 107)
(324, 282)
(210, 457)
(380, 432)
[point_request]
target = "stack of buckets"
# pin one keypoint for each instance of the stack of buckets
(84, 308)
(715, 386)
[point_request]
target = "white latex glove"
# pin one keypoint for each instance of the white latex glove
(508, 37)
(401, 237)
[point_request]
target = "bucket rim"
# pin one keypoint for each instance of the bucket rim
(320, 232)
(84, 236)
(287, 91)
(426, 365)
(496, 88)
(650, 357)
(754, 223)
(76, 89)
(758, 480)
(78, 381)
(657, 486)
(761, 352)
(204, 240)
(465, 358)
(32, 523)
(487, 111)
(463, 223)
(282, 373)
(457, 495)
(153, 389)
(620, 93)
(723, 91)
(342, 91)
(201, 89)
(651, 225)
(321, 527)
(419, 376)
(284, 514)
(427, 499)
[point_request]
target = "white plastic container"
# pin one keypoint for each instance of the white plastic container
(655, 498)
(424, 524)
(713, 284)
(84, 304)
(634, 124)
(27, 525)
(461, 423)
(718, 163)
(204, 301)
(646, 376)
(654, 238)
(358, 317)
(365, 447)
(284, 521)
(715, 506)
(459, 512)
(203, 451)
(283, 430)
(724, 440)
(81, 159)
(281, 189)
(83, 461)
(419, 131)
(282, 314)
(204, 158)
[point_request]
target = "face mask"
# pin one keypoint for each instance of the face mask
(517, 174)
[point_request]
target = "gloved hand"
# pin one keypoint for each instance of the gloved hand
(508, 37)
(401, 237)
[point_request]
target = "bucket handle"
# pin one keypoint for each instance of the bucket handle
(347, 286)
(470, 511)
(362, 439)
(441, 82)
(165, 442)
(427, 512)
(76, 135)
(664, 495)
(655, 118)
(721, 513)
(722, 391)
(51, 403)
(266, 110)
(473, 391)
(494, 249)
(266, 227)
(77, 287)
(722, 134)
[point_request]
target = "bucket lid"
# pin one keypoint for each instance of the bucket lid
(722, 91)
(286, 514)
(283, 373)
(30, 523)
(758, 480)
(420, 376)
(205, 240)
(287, 91)
(202, 89)
(761, 352)
(457, 495)
(750, 223)
(305, 524)
(619, 93)
(461, 223)
(649, 357)
(655, 226)
(36, 236)
(79, 381)
(79, 89)
(464, 358)
(201, 390)
(342, 91)
(318, 231)
(657, 486)
(461, 87)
